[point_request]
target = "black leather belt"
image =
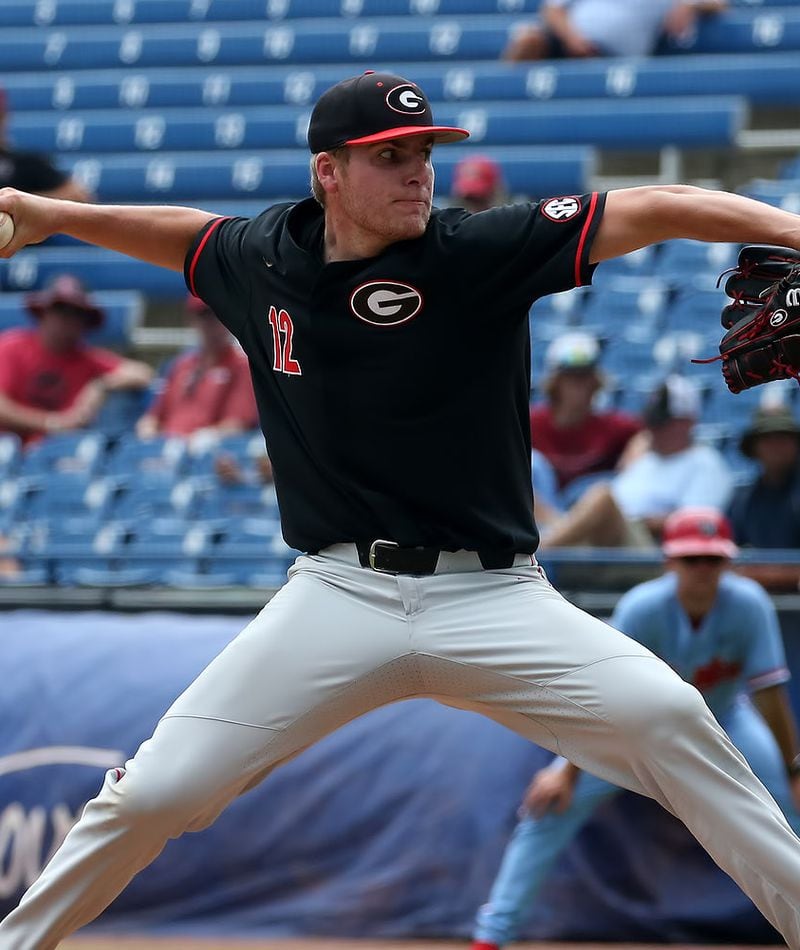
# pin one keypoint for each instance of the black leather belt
(387, 557)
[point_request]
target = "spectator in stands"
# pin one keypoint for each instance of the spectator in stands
(581, 28)
(30, 171)
(207, 389)
(765, 512)
(478, 183)
(50, 379)
(256, 470)
(673, 473)
(576, 439)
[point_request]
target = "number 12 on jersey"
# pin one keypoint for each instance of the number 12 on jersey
(282, 331)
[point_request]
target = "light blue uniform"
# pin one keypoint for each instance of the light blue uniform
(735, 651)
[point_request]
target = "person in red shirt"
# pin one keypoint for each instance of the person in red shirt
(51, 380)
(206, 389)
(566, 429)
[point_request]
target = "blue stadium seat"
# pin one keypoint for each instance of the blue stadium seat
(161, 545)
(154, 496)
(64, 550)
(33, 267)
(626, 123)
(238, 501)
(59, 496)
(679, 260)
(139, 460)
(627, 299)
(10, 454)
(81, 452)
(696, 308)
(745, 31)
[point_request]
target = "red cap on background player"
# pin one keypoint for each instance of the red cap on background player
(373, 107)
(477, 177)
(690, 532)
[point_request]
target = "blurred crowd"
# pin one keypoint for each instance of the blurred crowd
(602, 477)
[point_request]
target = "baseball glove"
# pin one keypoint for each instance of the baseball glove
(763, 321)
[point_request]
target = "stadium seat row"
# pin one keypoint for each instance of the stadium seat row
(201, 176)
(69, 12)
(769, 78)
(380, 39)
(87, 12)
(625, 124)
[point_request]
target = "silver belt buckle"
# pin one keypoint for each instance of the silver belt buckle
(372, 552)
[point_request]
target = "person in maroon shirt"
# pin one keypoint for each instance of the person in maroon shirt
(206, 389)
(566, 429)
(50, 379)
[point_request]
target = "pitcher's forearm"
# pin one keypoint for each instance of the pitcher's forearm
(636, 217)
(159, 235)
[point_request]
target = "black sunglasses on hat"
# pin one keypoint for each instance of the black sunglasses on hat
(373, 107)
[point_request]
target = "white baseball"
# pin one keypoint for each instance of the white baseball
(6, 229)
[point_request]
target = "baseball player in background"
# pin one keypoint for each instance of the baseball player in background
(720, 632)
(390, 355)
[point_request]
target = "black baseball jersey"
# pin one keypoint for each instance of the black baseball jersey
(393, 391)
(29, 171)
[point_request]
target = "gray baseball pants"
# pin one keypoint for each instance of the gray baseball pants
(339, 640)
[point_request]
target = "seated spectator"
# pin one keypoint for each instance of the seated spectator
(478, 183)
(33, 172)
(765, 512)
(575, 438)
(207, 389)
(50, 379)
(256, 471)
(673, 473)
(580, 28)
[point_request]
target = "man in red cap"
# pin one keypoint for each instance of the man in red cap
(207, 388)
(478, 183)
(720, 632)
(50, 379)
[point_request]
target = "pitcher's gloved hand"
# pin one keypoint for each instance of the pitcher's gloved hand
(763, 321)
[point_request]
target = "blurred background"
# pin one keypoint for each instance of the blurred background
(138, 524)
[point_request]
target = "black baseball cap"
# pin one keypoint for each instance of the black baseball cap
(373, 107)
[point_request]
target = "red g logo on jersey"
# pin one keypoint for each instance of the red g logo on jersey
(385, 303)
(561, 209)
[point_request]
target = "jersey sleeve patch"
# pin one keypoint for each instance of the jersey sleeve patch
(561, 209)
